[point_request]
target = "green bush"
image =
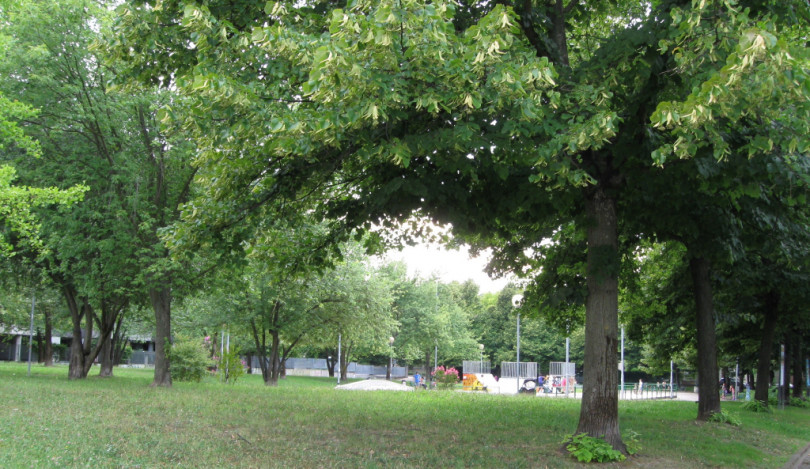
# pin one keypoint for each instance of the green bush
(632, 443)
(446, 378)
(756, 406)
(231, 367)
(725, 417)
(588, 449)
(189, 359)
(799, 402)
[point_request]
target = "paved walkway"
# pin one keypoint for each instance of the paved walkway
(800, 460)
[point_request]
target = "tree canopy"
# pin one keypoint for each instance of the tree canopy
(507, 120)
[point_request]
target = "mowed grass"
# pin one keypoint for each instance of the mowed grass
(49, 421)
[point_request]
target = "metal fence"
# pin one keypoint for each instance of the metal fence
(141, 358)
(518, 370)
(317, 367)
(562, 369)
(648, 391)
(476, 366)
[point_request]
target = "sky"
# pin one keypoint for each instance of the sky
(449, 265)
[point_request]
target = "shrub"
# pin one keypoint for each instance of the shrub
(189, 359)
(725, 417)
(231, 367)
(799, 402)
(631, 442)
(588, 449)
(756, 406)
(445, 378)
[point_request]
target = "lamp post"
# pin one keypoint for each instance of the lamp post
(517, 300)
(390, 357)
(481, 348)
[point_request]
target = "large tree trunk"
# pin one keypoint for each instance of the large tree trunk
(599, 413)
(766, 348)
(161, 299)
(76, 364)
(107, 325)
(708, 391)
(106, 359)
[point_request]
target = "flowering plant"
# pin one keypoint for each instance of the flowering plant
(445, 378)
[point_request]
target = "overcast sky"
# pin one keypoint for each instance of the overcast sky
(449, 265)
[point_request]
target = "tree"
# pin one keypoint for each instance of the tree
(507, 123)
(106, 253)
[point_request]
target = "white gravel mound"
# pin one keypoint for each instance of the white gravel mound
(374, 385)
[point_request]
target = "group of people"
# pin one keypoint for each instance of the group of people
(728, 391)
(555, 383)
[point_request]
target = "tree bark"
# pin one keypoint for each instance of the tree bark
(708, 391)
(599, 413)
(274, 363)
(40, 347)
(106, 359)
(798, 382)
(766, 348)
(48, 352)
(161, 299)
(344, 362)
(787, 338)
(76, 364)
(107, 328)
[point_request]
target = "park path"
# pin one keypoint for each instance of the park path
(800, 460)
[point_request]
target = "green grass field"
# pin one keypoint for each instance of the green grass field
(49, 421)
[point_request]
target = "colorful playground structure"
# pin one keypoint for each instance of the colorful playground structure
(519, 378)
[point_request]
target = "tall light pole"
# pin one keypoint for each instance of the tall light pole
(481, 348)
(517, 300)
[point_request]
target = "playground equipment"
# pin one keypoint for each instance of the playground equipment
(478, 377)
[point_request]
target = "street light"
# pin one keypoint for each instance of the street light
(481, 348)
(390, 357)
(517, 300)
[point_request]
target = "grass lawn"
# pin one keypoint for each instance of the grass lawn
(49, 421)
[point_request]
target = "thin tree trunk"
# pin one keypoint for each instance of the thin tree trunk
(40, 347)
(89, 318)
(788, 338)
(261, 347)
(344, 361)
(599, 413)
(798, 382)
(106, 324)
(766, 348)
(161, 299)
(275, 364)
(48, 352)
(708, 392)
